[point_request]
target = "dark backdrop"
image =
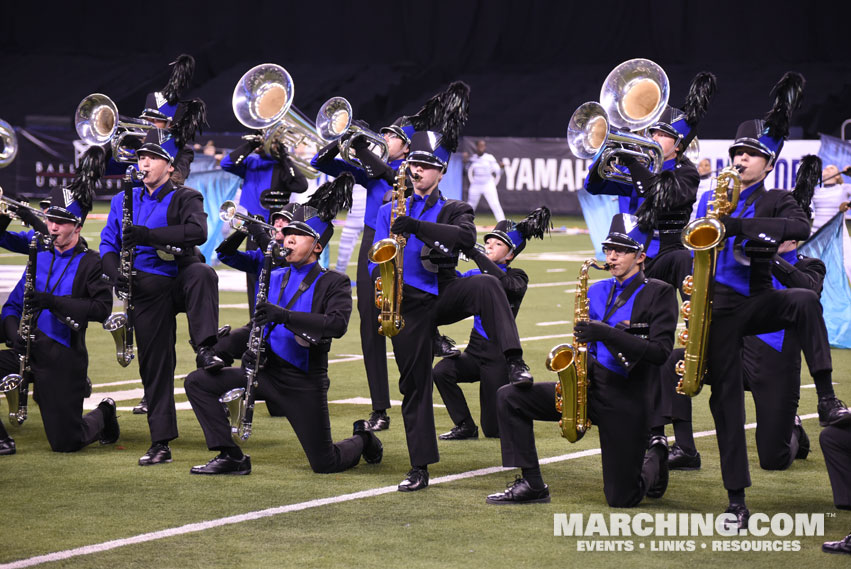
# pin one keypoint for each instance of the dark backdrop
(529, 64)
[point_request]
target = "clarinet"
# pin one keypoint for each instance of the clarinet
(26, 330)
(239, 402)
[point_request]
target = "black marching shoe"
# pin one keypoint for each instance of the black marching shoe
(111, 431)
(444, 347)
(659, 447)
(832, 411)
(208, 360)
(461, 432)
(141, 408)
(518, 373)
(158, 453)
(417, 479)
(742, 515)
(7, 446)
(519, 492)
(803, 440)
(373, 450)
(223, 464)
(841, 546)
(378, 421)
(679, 460)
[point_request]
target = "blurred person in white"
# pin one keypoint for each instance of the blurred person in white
(832, 197)
(483, 172)
(352, 228)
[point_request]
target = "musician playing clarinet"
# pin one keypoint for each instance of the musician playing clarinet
(60, 293)
(304, 307)
(168, 276)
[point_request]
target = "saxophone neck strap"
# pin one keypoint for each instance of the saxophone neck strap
(305, 284)
(624, 296)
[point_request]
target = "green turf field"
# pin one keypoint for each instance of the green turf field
(81, 501)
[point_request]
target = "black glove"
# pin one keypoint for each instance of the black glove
(405, 224)
(593, 331)
(257, 232)
(360, 143)
(253, 139)
(122, 285)
(18, 344)
(266, 313)
(249, 360)
(135, 235)
(43, 300)
(28, 217)
(733, 225)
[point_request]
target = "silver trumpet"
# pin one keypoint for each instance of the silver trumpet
(229, 213)
(632, 98)
(11, 207)
(334, 120)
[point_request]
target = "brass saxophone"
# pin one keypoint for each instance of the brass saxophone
(239, 402)
(571, 364)
(16, 385)
(120, 324)
(704, 236)
(389, 255)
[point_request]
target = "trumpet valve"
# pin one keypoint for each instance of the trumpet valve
(688, 285)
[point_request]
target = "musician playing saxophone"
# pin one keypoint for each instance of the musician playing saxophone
(64, 294)
(169, 276)
(307, 306)
(629, 337)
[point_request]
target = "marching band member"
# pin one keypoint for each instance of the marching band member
(268, 181)
(166, 217)
(483, 172)
(482, 360)
(622, 373)
(377, 178)
(67, 290)
(307, 307)
(745, 303)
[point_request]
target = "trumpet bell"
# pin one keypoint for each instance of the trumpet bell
(96, 119)
(588, 130)
(635, 94)
(693, 151)
(263, 96)
(8, 144)
(334, 118)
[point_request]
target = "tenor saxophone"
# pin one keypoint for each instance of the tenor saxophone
(704, 236)
(389, 255)
(570, 362)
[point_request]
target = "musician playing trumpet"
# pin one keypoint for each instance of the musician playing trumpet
(307, 306)
(629, 335)
(63, 295)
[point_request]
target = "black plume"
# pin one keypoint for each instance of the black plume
(181, 75)
(700, 92)
(191, 119)
(446, 113)
(331, 197)
(787, 97)
(536, 224)
(88, 175)
(809, 176)
(660, 196)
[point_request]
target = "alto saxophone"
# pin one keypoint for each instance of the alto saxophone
(571, 364)
(239, 402)
(16, 385)
(704, 236)
(389, 255)
(120, 324)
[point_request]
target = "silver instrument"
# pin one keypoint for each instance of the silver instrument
(262, 99)
(229, 213)
(632, 98)
(9, 148)
(97, 122)
(334, 120)
(11, 207)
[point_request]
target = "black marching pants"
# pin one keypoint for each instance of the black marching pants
(836, 447)
(373, 344)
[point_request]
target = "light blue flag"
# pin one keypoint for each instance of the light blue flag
(837, 152)
(598, 211)
(217, 186)
(827, 245)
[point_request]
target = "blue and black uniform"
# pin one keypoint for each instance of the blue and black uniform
(164, 285)
(295, 375)
(70, 284)
(373, 344)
